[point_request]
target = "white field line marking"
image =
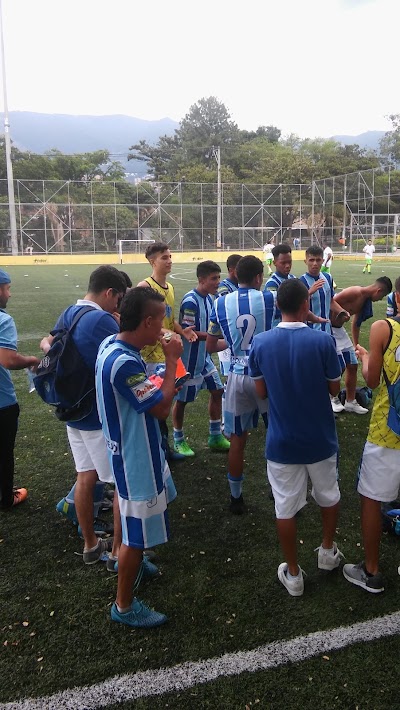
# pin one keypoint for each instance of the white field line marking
(177, 275)
(188, 675)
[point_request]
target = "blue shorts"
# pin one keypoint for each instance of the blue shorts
(209, 379)
(145, 522)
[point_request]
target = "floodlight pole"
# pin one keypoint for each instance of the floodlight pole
(217, 156)
(7, 143)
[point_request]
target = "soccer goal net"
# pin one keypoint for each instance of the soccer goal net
(128, 247)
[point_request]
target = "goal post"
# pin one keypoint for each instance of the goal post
(135, 249)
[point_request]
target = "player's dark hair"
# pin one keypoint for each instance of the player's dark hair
(385, 284)
(137, 305)
(248, 268)
(397, 285)
(232, 261)
(105, 277)
(153, 249)
(291, 295)
(206, 268)
(314, 250)
(127, 279)
(281, 249)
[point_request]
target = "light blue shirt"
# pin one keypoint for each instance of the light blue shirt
(238, 317)
(8, 340)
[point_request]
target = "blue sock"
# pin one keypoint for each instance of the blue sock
(215, 427)
(178, 435)
(236, 485)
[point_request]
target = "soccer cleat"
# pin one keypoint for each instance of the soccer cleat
(337, 406)
(357, 574)
(67, 509)
(101, 528)
(175, 456)
(217, 442)
(183, 448)
(295, 587)
(237, 506)
(355, 407)
(328, 559)
(19, 495)
(139, 616)
(90, 557)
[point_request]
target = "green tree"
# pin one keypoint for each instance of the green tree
(390, 143)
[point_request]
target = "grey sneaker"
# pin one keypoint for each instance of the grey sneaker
(355, 407)
(295, 587)
(357, 574)
(327, 559)
(92, 556)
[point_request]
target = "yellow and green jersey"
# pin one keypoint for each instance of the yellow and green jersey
(379, 432)
(155, 353)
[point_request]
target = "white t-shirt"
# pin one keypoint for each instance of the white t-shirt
(268, 249)
(328, 255)
(369, 251)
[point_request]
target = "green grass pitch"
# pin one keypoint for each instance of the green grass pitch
(218, 584)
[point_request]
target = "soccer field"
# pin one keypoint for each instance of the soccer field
(218, 585)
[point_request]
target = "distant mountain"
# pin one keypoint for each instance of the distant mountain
(38, 132)
(369, 139)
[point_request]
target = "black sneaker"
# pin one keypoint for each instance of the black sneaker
(237, 505)
(357, 574)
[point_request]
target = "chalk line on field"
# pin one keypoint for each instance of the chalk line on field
(187, 675)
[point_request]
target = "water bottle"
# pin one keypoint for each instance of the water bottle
(29, 374)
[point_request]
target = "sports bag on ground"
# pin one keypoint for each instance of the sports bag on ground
(363, 396)
(63, 379)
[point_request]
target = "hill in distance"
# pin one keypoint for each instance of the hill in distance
(39, 132)
(369, 139)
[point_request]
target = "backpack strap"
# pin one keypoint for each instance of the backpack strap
(389, 321)
(78, 316)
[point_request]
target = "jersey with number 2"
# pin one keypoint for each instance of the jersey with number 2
(238, 317)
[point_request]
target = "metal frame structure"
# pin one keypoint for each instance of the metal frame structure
(92, 216)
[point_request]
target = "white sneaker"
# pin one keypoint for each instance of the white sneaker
(337, 406)
(355, 407)
(329, 559)
(295, 587)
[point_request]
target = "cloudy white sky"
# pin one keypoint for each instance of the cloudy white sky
(311, 67)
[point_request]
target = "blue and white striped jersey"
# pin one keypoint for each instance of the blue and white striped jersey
(124, 397)
(238, 317)
(195, 310)
(226, 286)
(320, 301)
(272, 284)
(391, 307)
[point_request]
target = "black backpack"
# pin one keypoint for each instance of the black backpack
(63, 379)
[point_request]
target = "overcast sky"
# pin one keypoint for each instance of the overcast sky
(311, 67)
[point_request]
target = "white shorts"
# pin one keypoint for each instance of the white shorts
(289, 485)
(145, 523)
(379, 473)
(224, 357)
(344, 346)
(242, 405)
(90, 452)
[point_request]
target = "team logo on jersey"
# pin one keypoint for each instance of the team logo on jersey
(144, 390)
(168, 311)
(189, 317)
(113, 446)
(135, 379)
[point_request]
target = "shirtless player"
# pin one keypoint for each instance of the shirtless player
(356, 300)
